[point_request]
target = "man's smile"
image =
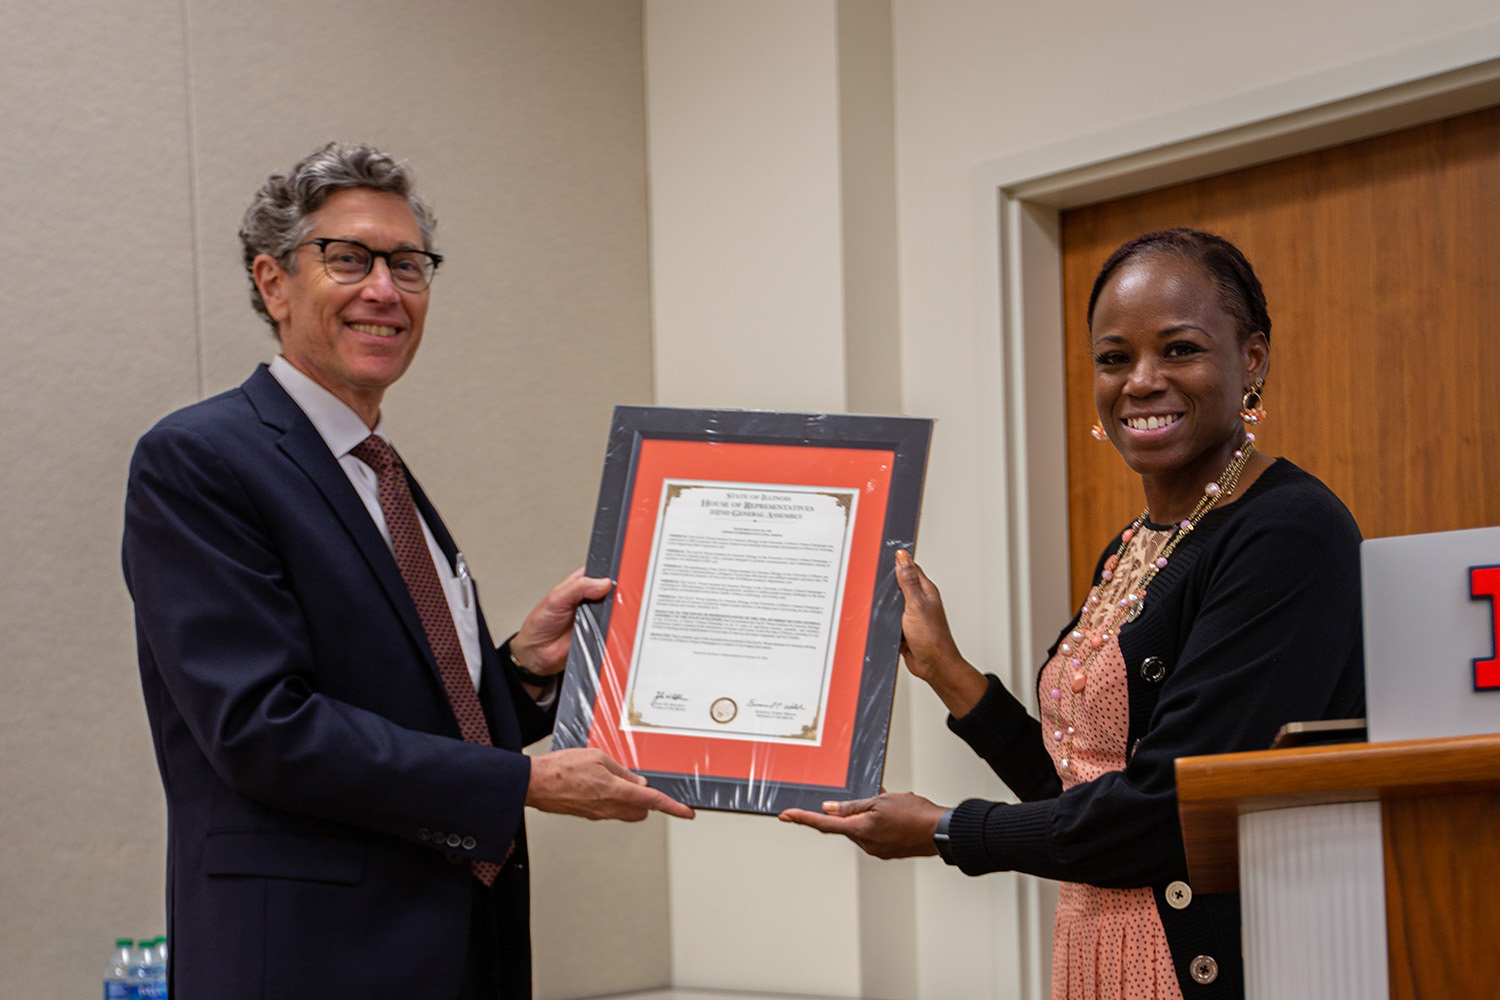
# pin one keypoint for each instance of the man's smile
(375, 329)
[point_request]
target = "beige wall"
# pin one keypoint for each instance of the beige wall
(131, 139)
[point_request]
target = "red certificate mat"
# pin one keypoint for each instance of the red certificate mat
(747, 657)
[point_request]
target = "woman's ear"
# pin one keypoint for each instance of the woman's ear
(1257, 358)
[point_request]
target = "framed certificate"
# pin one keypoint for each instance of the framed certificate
(747, 656)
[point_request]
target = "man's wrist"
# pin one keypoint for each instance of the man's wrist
(940, 837)
(529, 676)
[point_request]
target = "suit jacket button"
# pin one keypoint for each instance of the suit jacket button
(454, 840)
(470, 843)
(1179, 895)
(424, 834)
(1204, 970)
(1153, 669)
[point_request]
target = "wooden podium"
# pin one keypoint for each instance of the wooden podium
(1324, 841)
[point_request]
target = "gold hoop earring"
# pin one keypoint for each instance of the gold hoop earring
(1251, 411)
(1097, 433)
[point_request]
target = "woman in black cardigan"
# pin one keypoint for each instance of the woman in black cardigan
(1228, 608)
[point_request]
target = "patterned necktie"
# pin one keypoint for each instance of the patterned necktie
(414, 559)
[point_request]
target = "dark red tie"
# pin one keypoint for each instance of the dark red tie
(414, 559)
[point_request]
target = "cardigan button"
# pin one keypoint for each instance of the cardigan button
(1204, 970)
(1153, 669)
(1179, 895)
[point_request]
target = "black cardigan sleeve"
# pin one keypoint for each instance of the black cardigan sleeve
(1264, 629)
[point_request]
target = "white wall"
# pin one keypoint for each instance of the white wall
(975, 82)
(745, 261)
(771, 142)
(747, 282)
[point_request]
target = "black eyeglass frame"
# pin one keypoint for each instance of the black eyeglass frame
(321, 242)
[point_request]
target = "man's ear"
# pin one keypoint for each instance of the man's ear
(271, 279)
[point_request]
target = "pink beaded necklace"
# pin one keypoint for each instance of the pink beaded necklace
(1082, 650)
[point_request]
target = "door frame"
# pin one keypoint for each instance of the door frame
(1018, 202)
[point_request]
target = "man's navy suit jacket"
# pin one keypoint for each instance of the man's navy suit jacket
(315, 776)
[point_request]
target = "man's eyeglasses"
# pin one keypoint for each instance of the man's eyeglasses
(349, 261)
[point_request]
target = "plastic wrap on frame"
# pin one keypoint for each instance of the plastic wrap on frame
(883, 460)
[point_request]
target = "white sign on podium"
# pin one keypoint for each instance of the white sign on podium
(1430, 634)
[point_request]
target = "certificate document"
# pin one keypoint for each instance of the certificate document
(739, 618)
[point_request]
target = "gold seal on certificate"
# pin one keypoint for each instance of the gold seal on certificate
(723, 710)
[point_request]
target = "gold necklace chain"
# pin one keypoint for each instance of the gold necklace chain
(1130, 606)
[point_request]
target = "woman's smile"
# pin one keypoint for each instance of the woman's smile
(1143, 424)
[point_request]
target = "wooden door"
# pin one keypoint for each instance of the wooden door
(1381, 264)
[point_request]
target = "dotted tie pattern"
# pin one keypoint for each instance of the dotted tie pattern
(414, 559)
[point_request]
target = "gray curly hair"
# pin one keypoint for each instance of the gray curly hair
(280, 216)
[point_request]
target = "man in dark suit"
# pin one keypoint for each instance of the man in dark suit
(338, 736)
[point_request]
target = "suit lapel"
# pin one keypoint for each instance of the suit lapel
(305, 447)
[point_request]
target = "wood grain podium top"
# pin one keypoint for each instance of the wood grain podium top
(1213, 791)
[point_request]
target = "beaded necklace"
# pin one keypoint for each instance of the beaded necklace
(1082, 650)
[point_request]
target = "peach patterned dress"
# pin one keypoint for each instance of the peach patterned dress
(1108, 944)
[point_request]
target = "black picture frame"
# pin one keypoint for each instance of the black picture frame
(907, 439)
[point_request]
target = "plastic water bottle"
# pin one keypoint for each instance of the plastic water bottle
(161, 963)
(149, 977)
(161, 954)
(119, 971)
